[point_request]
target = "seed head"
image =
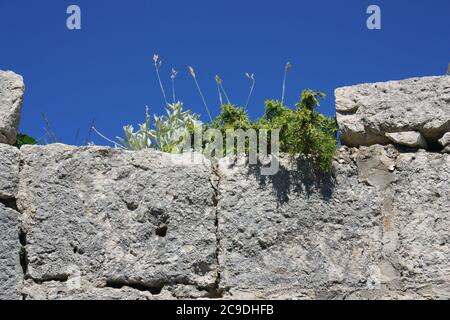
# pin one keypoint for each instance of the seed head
(155, 59)
(191, 71)
(174, 73)
(288, 66)
(218, 79)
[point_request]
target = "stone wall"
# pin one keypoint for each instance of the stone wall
(11, 94)
(376, 113)
(100, 223)
(11, 274)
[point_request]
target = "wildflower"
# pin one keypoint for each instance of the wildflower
(251, 77)
(173, 77)
(158, 63)
(287, 68)
(174, 73)
(219, 82)
(192, 72)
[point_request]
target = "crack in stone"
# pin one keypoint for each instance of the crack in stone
(120, 284)
(53, 278)
(10, 203)
(215, 180)
(22, 234)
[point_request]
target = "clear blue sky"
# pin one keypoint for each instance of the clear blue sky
(104, 72)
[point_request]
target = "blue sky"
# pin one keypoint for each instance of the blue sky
(104, 71)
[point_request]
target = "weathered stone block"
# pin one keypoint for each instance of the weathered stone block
(445, 140)
(410, 139)
(367, 112)
(419, 220)
(11, 273)
(9, 171)
(11, 95)
(118, 219)
(300, 233)
(377, 228)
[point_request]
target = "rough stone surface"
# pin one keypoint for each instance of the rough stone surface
(411, 139)
(100, 223)
(11, 273)
(377, 229)
(9, 171)
(56, 290)
(116, 219)
(367, 112)
(445, 140)
(11, 95)
(418, 217)
(109, 224)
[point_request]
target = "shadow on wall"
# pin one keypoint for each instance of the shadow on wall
(299, 176)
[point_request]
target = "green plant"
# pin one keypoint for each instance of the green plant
(302, 130)
(23, 139)
(311, 133)
(169, 133)
(231, 117)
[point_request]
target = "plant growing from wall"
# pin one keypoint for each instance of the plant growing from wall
(303, 130)
(23, 139)
(169, 133)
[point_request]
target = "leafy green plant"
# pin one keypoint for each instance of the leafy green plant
(303, 130)
(169, 133)
(232, 117)
(309, 133)
(23, 139)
